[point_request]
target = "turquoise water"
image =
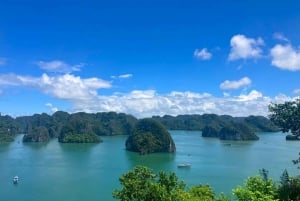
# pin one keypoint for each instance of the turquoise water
(77, 172)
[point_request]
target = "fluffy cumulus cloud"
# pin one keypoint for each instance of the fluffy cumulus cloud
(65, 86)
(148, 103)
(245, 48)
(83, 96)
(203, 54)
(57, 66)
(230, 85)
(285, 57)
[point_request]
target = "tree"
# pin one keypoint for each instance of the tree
(256, 189)
(142, 184)
(289, 187)
(287, 117)
(202, 193)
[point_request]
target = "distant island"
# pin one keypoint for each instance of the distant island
(8, 129)
(224, 127)
(236, 132)
(84, 127)
(78, 127)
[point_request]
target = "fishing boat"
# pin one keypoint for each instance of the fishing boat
(15, 179)
(184, 165)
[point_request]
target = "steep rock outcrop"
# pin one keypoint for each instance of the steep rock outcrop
(150, 136)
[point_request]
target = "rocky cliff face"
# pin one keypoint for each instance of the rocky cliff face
(209, 131)
(38, 134)
(237, 132)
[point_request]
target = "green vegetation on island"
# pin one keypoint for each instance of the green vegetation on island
(224, 127)
(88, 127)
(8, 128)
(287, 117)
(235, 131)
(199, 122)
(37, 134)
(78, 127)
(150, 136)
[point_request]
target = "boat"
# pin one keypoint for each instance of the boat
(16, 179)
(184, 165)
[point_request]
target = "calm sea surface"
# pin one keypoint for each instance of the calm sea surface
(88, 172)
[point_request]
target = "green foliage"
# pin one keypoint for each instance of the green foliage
(62, 124)
(237, 131)
(264, 174)
(286, 116)
(289, 187)
(150, 136)
(8, 129)
(284, 187)
(37, 134)
(202, 193)
(256, 189)
(6, 138)
(209, 131)
(234, 131)
(81, 138)
(260, 124)
(142, 184)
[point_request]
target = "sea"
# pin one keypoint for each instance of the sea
(90, 172)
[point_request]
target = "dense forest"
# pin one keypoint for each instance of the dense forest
(88, 127)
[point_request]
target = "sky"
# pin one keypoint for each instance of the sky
(146, 58)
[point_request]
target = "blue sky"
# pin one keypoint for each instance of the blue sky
(148, 57)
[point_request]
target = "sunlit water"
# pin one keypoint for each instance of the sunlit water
(88, 172)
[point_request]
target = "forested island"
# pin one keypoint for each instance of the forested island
(150, 136)
(84, 127)
(224, 127)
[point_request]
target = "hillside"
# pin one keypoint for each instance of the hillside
(199, 122)
(88, 127)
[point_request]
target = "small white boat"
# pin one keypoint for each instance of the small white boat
(184, 165)
(16, 179)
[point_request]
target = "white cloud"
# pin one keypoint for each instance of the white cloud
(280, 36)
(124, 76)
(2, 61)
(285, 57)
(65, 86)
(253, 95)
(57, 66)
(52, 108)
(202, 54)
(245, 48)
(83, 96)
(229, 85)
(148, 103)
